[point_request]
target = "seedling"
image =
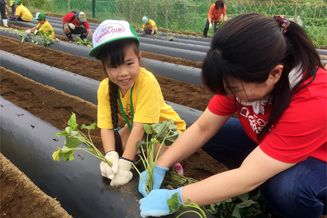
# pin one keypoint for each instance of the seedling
(174, 205)
(74, 138)
(163, 133)
(85, 42)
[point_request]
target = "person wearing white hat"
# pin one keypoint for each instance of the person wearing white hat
(140, 99)
(72, 24)
(149, 26)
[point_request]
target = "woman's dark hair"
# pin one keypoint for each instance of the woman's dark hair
(248, 47)
(219, 4)
(113, 54)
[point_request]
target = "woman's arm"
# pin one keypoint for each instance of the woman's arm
(108, 139)
(255, 170)
(192, 139)
(135, 136)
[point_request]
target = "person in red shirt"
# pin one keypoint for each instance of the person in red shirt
(216, 10)
(72, 25)
(268, 71)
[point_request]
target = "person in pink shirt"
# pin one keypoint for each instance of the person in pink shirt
(72, 24)
(268, 71)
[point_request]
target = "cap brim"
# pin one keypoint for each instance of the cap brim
(145, 22)
(94, 51)
(82, 19)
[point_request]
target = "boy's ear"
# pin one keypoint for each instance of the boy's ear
(140, 56)
(101, 63)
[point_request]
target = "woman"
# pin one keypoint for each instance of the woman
(267, 70)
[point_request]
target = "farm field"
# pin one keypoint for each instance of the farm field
(55, 107)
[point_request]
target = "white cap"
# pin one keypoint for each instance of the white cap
(109, 31)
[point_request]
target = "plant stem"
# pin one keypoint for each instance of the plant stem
(141, 178)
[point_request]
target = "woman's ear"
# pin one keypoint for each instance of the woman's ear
(275, 74)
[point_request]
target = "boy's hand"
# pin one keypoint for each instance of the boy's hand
(124, 174)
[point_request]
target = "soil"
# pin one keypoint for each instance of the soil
(38, 100)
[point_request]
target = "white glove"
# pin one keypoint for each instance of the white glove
(35, 31)
(72, 26)
(28, 31)
(106, 170)
(210, 25)
(124, 174)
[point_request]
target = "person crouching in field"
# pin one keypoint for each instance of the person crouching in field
(149, 26)
(72, 25)
(43, 26)
(129, 91)
(22, 13)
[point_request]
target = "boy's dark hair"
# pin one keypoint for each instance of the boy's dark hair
(113, 54)
(219, 4)
(248, 47)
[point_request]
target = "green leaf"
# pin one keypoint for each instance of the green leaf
(23, 40)
(154, 141)
(69, 156)
(173, 203)
(90, 127)
(237, 209)
(147, 128)
(160, 128)
(66, 149)
(72, 120)
(72, 142)
(63, 133)
(244, 197)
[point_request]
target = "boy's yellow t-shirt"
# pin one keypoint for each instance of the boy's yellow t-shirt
(148, 103)
(24, 13)
(150, 24)
(45, 27)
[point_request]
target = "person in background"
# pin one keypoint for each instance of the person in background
(149, 26)
(129, 91)
(43, 25)
(216, 10)
(277, 85)
(22, 13)
(13, 9)
(72, 25)
(3, 7)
